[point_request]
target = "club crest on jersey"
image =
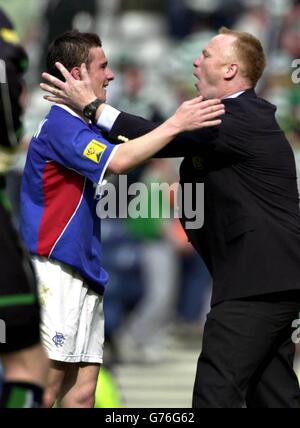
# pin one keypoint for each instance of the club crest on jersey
(94, 151)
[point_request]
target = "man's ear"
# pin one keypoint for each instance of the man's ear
(75, 72)
(231, 71)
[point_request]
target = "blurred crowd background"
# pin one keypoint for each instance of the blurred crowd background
(159, 288)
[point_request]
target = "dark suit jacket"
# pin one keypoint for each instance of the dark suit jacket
(250, 240)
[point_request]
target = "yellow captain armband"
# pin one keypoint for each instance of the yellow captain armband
(122, 138)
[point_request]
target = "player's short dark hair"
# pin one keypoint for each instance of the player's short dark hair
(71, 48)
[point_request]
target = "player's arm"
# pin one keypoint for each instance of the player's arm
(124, 126)
(69, 141)
(75, 145)
(194, 114)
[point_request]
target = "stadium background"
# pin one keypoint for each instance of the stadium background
(159, 289)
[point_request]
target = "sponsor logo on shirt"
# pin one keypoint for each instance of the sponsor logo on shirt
(94, 151)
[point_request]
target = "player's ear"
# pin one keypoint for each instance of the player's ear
(75, 72)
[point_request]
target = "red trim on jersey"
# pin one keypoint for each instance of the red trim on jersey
(63, 190)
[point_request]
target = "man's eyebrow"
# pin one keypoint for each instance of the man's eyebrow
(205, 51)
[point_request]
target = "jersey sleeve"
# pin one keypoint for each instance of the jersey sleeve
(73, 144)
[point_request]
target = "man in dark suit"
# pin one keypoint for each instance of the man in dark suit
(250, 240)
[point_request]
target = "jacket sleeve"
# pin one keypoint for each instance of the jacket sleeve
(193, 143)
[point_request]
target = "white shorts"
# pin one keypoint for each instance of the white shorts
(72, 320)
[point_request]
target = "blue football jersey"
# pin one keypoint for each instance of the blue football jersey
(66, 161)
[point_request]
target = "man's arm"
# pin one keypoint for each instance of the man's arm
(189, 116)
(191, 143)
(123, 127)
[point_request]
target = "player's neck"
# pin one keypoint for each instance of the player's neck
(80, 114)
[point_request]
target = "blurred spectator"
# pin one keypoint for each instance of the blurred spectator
(121, 258)
(132, 97)
(212, 14)
(145, 335)
(255, 20)
(194, 285)
(279, 87)
(180, 18)
(63, 15)
(141, 5)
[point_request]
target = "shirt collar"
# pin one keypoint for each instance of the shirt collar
(69, 110)
(237, 94)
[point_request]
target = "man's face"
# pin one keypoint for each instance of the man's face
(99, 72)
(211, 66)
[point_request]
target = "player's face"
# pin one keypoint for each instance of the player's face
(99, 72)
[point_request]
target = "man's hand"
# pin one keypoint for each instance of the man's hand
(196, 113)
(72, 92)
